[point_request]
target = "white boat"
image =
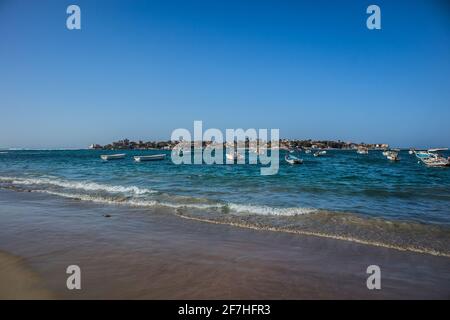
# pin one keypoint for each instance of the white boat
(411, 151)
(320, 153)
(437, 149)
(362, 150)
(385, 153)
(433, 159)
(291, 159)
(393, 156)
(234, 156)
(149, 158)
(437, 161)
(180, 151)
(307, 151)
(421, 154)
(113, 156)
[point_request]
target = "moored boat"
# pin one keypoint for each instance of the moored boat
(432, 158)
(113, 156)
(234, 156)
(319, 153)
(393, 156)
(291, 159)
(362, 150)
(150, 157)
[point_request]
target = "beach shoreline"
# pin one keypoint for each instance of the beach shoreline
(142, 253)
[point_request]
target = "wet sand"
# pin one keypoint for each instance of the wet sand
(139, 253)
(19, 282)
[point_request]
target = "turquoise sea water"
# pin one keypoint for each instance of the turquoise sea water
(343, 194)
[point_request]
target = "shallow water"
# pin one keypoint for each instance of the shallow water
(363, 198)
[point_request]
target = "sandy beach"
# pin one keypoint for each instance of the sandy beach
(18, 281)
(137, 253)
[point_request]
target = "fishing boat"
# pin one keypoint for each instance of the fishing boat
(181, 151)
(437, 149)
(385, 153)
(150, 158)
(291, 159)
(320, 153)
(362, 150)
(432, 158)
(229, 156)
(421, 154)
(118, 156)
(234, 156)
(436, 161)
(393, 156)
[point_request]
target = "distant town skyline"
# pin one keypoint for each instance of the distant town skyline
(141, 69)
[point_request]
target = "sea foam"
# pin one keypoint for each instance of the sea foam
(80, 185)
(269, 211)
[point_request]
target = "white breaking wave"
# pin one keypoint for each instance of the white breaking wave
(131, 202)
(238, 208)
(80, 185)
(269, 211)
(85, 197)
(133, 190)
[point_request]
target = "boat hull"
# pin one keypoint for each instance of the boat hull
(437, 162)
(108, 157)
(291, 161)
(431, 159)
(150, 158)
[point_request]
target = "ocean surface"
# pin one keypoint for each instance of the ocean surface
(343, 195)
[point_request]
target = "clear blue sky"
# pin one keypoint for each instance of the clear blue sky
(139, 69)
